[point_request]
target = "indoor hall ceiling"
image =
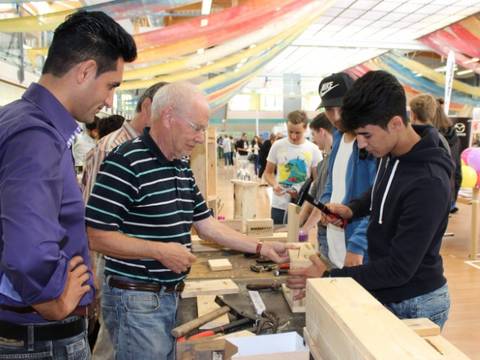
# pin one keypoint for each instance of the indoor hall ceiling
(353, 31)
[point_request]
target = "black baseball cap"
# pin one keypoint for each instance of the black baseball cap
(333, 88)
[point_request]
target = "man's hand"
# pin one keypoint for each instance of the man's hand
(175, 256)
(278, 190)
(344, 212)
(297, 278)
(275, 251)
(352, 259)
(59, 309)
(293, 193)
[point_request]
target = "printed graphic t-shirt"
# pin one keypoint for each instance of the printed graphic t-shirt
(294, 164)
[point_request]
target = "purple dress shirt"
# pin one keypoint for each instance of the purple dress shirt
(41, 208)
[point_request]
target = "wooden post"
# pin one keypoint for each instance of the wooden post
(245, 199)
(293, 225)
(474, 224)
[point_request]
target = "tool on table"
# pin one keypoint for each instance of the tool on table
(189, 326)
(324, 209)
(224, 329)
(280, 272)
(265, 319)
(269, 286)
(263, 268)
(263, 260)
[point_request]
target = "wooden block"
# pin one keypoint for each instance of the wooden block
(423, 326)
(260, 227)
(245, 199)
(445, 349)
(296, 306)
(293, 225)
(278, 236)
(209, 287)
(206, 304)
(299, 259)
(219, 264)
(348, 323)
(314, 349)
(235, 224)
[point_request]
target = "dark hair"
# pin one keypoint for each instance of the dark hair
(374, 99)
(149, 94)
(109, 124)
(298, 117)
(92, 125)
(441, 120)
(321, 122)
(88, 36)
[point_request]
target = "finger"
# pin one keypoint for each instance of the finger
(316, 261)
(191, 257)
(84, 278)
(296, 284)
(85, 289)
(74, 262)
(300, 295)
(297, 272)
(79, 270)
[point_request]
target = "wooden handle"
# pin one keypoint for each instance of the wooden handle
(189, 326)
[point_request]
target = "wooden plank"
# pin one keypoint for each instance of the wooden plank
(423, 326)
(263, 227)
(211, 161)
(359, 327)
(293, 225)
(206, 304)
(245, 199)
(278, 236)
(198, 164)
(313, 347)
(296, 306)
(446, 349)
(219, 264)
(209, 287)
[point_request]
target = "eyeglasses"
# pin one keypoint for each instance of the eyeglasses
(195, 127)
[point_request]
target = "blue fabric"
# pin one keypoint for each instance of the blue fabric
(140, 322)
(75, 347)
(434, 305)
(279, 216)
(360, 177)
(41, 206)
(322, 240)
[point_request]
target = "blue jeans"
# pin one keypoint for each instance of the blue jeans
(139, 323)
(279, 216)
(322, 240)
(435, 305)
(75, 347)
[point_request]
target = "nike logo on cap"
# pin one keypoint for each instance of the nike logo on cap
(327, 87)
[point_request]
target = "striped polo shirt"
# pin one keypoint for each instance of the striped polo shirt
(143, 195)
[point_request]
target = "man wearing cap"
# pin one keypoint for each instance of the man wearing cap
(351, 172)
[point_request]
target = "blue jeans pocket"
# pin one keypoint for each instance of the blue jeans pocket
(142, 302)
(12, 349)
(78, 350)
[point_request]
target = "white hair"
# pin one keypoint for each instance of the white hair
(178, 95)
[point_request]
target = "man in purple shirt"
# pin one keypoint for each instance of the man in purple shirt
(45, 275)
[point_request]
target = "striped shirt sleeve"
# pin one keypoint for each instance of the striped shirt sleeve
(113, 194)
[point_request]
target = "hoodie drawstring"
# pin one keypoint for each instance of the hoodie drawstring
(392, 175)
(375, 182)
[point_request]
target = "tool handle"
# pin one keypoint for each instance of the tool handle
(189, 326)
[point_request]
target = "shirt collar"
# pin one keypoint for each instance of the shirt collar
(55, 112)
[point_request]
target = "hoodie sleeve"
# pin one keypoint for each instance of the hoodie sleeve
(419, 228)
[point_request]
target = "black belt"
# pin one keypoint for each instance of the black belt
(42, 332)
(143, 286)
(79, 310)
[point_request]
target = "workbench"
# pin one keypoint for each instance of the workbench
(242, 275)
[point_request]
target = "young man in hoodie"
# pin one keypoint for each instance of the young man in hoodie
(408, 204)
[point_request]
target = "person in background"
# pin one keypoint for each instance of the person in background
(103, 349)
(227, 150)
(263, 154)
(85, 141)
(109, 124)
(255, 146)
(408, 204)
(220, 152)
(322, 136)
(45, 274)
(140, 215)
(242, 145)
(447, 129)
(295, 159)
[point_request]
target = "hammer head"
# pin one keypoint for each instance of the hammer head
(235, 308)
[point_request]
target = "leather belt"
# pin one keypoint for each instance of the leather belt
(144, 286)
(79, 310)
(42, 332)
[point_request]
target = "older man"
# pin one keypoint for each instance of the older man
(140, 214)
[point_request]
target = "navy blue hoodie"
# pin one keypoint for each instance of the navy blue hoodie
(409, 206)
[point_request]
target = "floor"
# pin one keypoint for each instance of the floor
(463, 326)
